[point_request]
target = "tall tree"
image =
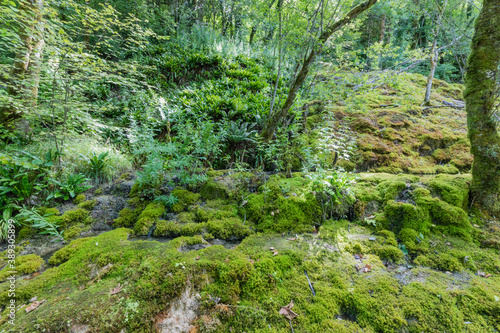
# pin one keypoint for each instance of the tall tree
(327, 32)
(482, 104)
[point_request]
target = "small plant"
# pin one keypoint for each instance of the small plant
(4, 227)
(37, 221)
(167, 200)
(96, 166)
(74, 185)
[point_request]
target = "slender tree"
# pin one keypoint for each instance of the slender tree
(482, 104)
(327, 32)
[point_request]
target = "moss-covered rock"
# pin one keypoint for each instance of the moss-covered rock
(79, 199)
(88, 205)
(212, 190)
(127, 218)
(185, 197)
(148, 217)
(229, 228)
(78, 215)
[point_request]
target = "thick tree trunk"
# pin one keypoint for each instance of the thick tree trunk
(25, 74)
(481, 99)
(276, 117)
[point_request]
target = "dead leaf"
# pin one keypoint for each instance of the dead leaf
(251, 261)
(33, 306)
(116, 290)
(287, 311)
(479, 273)
(275, 253)
(367, 268)
(488, 275)
(271, 248)
(448, 243)
(33, 299)
(197, 258)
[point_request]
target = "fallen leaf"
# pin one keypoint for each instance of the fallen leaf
(251, 261)
(275, 253)
(33, 299)
(197, 258)
(287, 311)
(116, 290)
(271, 248)
(448, 243)
(488, 275)
(33, 306)
(367, 268)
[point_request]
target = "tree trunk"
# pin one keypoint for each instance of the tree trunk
(252, 34)
(25, 74)
(382, 29)
(481, 99)
(276, 117)
(434, 60)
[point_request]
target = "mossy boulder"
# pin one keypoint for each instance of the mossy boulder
(148, 217)
(229, 228)
(78, 215)
(186, 198)
(127, 217)
(212, 190)
(88, 205)
(401, 215)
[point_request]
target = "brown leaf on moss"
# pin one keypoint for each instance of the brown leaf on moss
(287, 311)
(33, 306)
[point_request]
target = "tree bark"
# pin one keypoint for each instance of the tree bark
(382, 29)
(25, 74)
(481, 99)
(276, 117)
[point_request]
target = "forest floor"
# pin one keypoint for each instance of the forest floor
(404, 250)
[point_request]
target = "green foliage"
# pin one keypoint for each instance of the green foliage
(95, 166)
(74, 185)
(167, 200)
(44, 224)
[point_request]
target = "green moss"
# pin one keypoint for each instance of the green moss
(66, 252)
(401, 215)
(78, 215)
(185, 197)
(26, 232)
(213, 190)
(49, 211)
(23, 265)
(443, 262)
(167, 229)
(191, 229)
(88, 205)
(389, 252)
(186, 217)
(230, 228)
(216, 173)
(389, 189)
(73, 232)
(98, 191)
(79, 199)
(148, 217)
(453, 190)
(126, 218)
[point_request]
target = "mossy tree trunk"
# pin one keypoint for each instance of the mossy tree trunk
(276, 117)
(25, 74)
(481, 99)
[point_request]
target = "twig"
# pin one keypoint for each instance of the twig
(291, 326)
(310, 285)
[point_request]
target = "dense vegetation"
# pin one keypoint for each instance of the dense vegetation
(194, 166)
